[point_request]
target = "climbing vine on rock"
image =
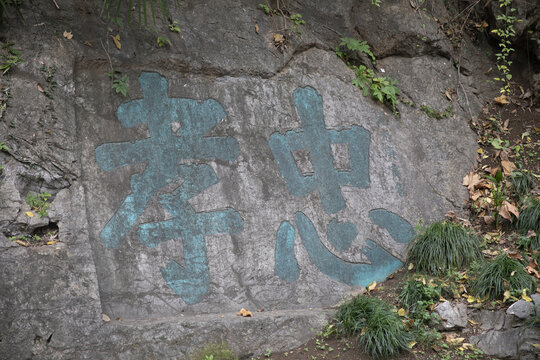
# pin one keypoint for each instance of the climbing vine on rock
(505, 32)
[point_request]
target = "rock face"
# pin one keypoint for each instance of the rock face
(233, 175)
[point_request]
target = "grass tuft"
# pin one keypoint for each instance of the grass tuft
(522, 182)
(444, 246)
(495, 277)
(529, 217)
(380, 330)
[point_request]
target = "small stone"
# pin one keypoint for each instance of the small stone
(452, 316)
(522, 309)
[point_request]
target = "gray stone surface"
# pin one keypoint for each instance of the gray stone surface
(521, 309)
(52, 297)
(453, 316)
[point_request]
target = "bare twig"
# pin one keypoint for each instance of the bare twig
(56, 4)
(106, 52)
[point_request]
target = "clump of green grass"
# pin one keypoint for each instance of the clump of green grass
(529, 217)
(215, 352)
(495, 277)
(522, 182)
(529, 242)
(380, 330)
(444, 246)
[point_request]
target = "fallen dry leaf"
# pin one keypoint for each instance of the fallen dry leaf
(22, 243)
(244, 313)
(508, 167)
(40, 88)
(279, 39)
(471, 180)
(68, 35)
(372, 286)
(257, 28)
(514, 255)
(117, 42)
(52, 242)
(88, 43)
(507, 209)
(501, 100)
(105, 317)
(401, 312)
(29, 214)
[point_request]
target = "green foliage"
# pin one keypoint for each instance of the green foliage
(505, 31)
(522, 182)
(376, 2)
(380, 330)
(444, 246)
(529, 242)
(39, 203)
(297, 22)
(435, 114)
(497, 193)
(529, 217)
(162, 41)
(111, 8)
(346, 48)
(173, 26)
(10, 58)
(493, 278)
(215, 352)
(119, 82)
(3, 147)
(415, 291)
(381, 88)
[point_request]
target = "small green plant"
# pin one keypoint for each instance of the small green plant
(10, 58)
(415, 291)
(522, 182)
(380, 330)
(297, 22)
(3, 147)
(497, 193)
(376, 2)
(119, 82)
(529, 217)
(267, 353)
(493, 278)
(39, 203)
(214, 352)
(348, 46)
(435, 114)
(444, 246)
(174, 27)
(162, 41)
(505, 31)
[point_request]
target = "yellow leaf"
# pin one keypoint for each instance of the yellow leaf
(411, 266)
(524, 296)
(471, 299)
(536, 345)
(506, 295)
(29, 214)
(472, 322)
(68, 35)
(480, 151)
(116, 40)
(245, 313)
(372, 286)
(401, 312)
(411, 344)
(52, 242)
